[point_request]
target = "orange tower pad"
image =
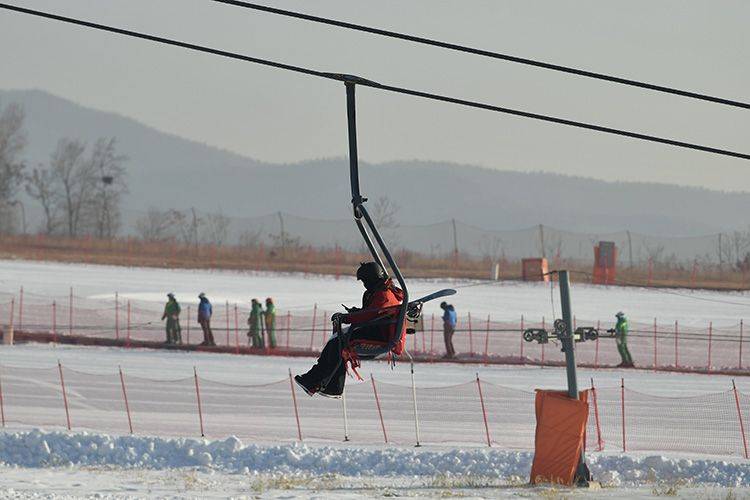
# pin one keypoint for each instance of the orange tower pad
(560, 434)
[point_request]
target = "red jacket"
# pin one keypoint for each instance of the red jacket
(381, 303)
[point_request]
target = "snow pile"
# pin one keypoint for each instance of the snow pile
(37, 448)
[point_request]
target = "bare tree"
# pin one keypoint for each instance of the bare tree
(158, 225)
(40, 186)
(75, 178)
(189, 225)
(105, 201)
(12, 143)
(250, 238)
(384, 213)
(217, 228)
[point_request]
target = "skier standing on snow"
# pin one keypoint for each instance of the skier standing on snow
(254, 322)
(269, 315)
(621, 339)
(205, 311)
(172, 315)
(381, 299)
(449, 328)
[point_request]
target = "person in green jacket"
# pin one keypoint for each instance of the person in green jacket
(269, 315)
(172, 315)
(621, 338)
(254, 321)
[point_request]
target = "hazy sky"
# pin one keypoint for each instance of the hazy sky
(278, 116)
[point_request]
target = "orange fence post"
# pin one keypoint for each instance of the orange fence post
(487, 341)
(226, 313)
(117, 316)
(655, 347)
(739, 416)
(471, 339)
(323, 330)
(125, 398)
(692, 275)
(432, 336)
(294, 403)
(599, 441)
(198, 398)
(236, 331)
(65, 396)
(741, 329)
(543, 327)
(596, 345)
(710, 330)
(288, 328)
(20, 310)
(650, 270)
(676, 347)
(380, 412)
(622, 411)
(127, 343)
(2, 404)
(484, 412)
(312, 334)
(54, 321)
(70, 312)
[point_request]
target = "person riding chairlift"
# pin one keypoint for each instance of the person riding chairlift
(372, 327)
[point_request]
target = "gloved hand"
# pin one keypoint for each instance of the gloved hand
(340, 317)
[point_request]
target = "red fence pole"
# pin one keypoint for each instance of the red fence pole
(2, 404)
(650, 270)
(739, 416)
(710, 331)
(741, 329)
(312, 334)
(65, 396)
(596, 345)
(484, 412)
(656, 362)
(522, 340)
(125, 398)
(54, 321)
(226, 313)
(692, 275)
(198, 398)
(622, 411)
(288, 328)
(599, 441)
(117, 316)
(20, 310)
(294, 403)
(471, 339)
(676, 348)
(377, 403)
(543, 327)
(236, 331)
(487, 341)
(70, 312)
(127, 343)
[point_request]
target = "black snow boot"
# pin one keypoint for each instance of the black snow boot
(306, 386)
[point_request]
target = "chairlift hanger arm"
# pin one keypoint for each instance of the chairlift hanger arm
(358, 201)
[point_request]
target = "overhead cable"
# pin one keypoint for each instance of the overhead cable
(368, 83)
(487, 53)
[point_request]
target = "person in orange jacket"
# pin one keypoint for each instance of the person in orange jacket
(380, 300)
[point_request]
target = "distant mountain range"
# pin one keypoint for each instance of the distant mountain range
(167, 171)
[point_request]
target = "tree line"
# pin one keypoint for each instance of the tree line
(79, 189)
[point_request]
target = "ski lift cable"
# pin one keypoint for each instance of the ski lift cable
(368, 83)
(487, 53)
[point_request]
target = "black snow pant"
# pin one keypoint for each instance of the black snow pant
(208, 335)
(330, 368)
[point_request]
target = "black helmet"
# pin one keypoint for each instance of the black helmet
(371, 274)
(443, 304)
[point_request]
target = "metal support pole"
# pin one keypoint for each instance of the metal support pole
(583, 476)
(346, 418)
(414, 400)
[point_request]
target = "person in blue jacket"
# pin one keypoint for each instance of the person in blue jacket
(449, 328)
(204, 319)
